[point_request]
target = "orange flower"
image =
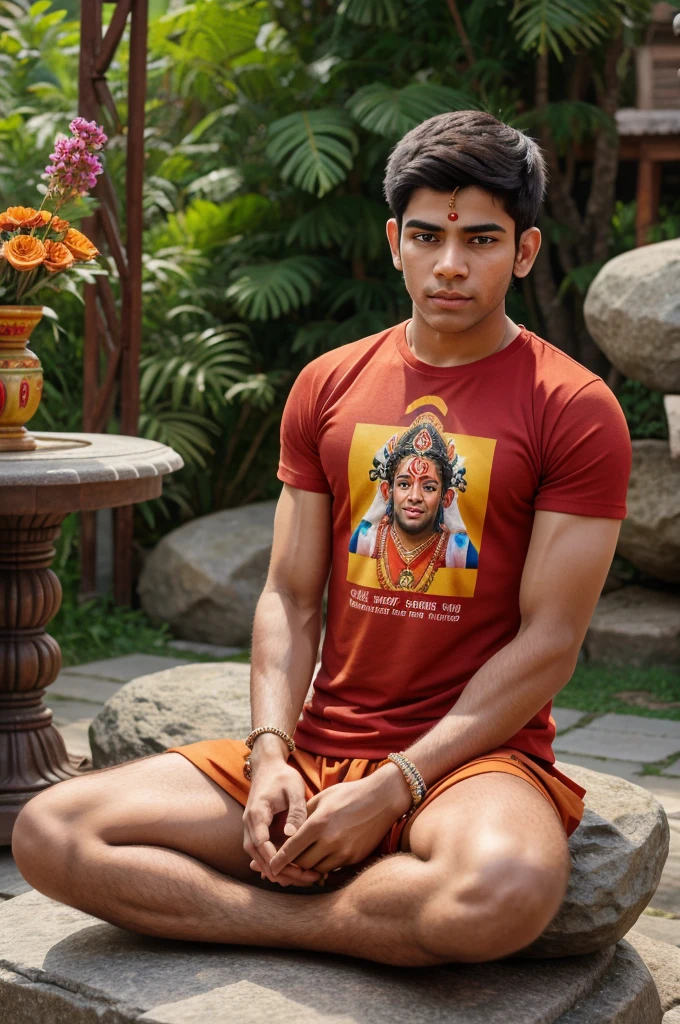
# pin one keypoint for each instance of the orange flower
(81, 247)
(19, 217)
(57, 256)
(57, 225)
(24, 252)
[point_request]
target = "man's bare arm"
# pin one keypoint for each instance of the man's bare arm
(286, 635)
(566, 566)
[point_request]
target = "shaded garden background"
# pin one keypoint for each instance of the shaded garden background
(268, 126)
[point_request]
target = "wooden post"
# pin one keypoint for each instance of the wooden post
(648, 194)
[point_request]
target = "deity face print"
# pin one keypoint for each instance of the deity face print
(416, 495)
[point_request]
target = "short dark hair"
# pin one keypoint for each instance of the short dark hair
(468, 147)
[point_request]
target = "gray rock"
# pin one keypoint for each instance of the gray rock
(207, 700)
(626, 995)
(632, 310)
(61, 965)
(618, 853)
(650, 534)
(672, 407)
(205, 578)
(635, 626)
(663, 963)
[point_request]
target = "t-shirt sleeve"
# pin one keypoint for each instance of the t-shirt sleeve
(586, 456)
(299, 461)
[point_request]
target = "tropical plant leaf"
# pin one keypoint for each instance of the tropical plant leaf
(267, 291)
(391, 112)
(382, 13)
(314, 148)
(560, 24)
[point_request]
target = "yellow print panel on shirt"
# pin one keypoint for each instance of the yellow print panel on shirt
(466, 513)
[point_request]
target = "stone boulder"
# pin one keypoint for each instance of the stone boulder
(205, 577)
(62, 965)
(663, 962)
(179, 705)
(635, 626)
(618, 851)
(650, 534)
(632, 310)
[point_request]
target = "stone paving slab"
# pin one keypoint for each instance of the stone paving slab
(628, 770)
(126, 667)
(663, 929)
(87, 688)
(565, 718)
(622, 746)
(673, 769)
(639, 724)
(12, 882)
(75, 736)
(69, 710)
(214, 650)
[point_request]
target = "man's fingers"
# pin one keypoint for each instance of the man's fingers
(297, 812)
(294, 847)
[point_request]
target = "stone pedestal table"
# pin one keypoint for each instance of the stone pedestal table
(38, 489)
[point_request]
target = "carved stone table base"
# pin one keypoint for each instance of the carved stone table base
(66, 473)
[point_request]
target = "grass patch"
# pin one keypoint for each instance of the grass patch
(100, 629)
(594, 688)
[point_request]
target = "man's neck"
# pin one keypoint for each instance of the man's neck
(491, 335)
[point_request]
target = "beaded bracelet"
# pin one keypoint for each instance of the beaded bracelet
(416, 783)
(250, 739)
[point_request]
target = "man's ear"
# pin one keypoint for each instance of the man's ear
(392, 229)
(385, 490)
(448, 498)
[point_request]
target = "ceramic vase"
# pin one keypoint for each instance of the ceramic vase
(21, 377)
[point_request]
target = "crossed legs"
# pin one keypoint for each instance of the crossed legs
(155, 846)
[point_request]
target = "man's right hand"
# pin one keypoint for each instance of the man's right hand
(275, 788)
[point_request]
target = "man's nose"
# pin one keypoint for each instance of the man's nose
(452, 262)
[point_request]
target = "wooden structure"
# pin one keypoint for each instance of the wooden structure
(650, 131)
(65, 473)
(113, 327)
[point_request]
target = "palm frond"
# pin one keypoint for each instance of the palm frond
(316, 148)
(560, 24)
(266, 291)
(391, 112)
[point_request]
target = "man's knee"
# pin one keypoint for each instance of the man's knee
(46, 835)
(498, 908)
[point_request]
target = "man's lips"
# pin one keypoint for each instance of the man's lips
(413, 512)
(450, 303)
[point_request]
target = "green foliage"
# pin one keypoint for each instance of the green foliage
(643, 410)
(594, 688)
(314, 148)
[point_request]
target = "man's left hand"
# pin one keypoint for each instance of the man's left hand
(346, 822)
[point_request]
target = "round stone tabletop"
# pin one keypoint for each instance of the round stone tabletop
(74, 472)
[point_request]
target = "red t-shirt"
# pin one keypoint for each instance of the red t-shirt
(526, 428)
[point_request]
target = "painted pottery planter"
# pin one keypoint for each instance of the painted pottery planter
(21, 377)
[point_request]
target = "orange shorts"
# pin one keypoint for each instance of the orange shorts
(222, 760)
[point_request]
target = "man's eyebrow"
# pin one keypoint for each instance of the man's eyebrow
(471, 229)
(407, 476)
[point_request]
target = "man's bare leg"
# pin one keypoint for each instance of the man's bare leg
(155, 846)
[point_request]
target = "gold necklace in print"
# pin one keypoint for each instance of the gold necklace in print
(406, 579)
(409, 555)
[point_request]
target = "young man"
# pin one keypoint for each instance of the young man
(463, 481)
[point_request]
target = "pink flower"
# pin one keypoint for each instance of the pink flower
(74, 166)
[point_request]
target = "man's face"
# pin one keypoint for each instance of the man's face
(416, 495)
(474, 256)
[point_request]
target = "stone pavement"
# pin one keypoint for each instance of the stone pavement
(623, 745)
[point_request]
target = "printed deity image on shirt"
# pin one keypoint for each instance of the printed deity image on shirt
(418, 506)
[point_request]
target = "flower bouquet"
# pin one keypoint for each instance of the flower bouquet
(36, 246)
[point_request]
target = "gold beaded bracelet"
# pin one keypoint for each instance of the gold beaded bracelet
(416, 783)
(250, 739)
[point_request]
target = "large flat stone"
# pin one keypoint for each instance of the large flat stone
(661, 929)
(167, 709)
(65, 711)
(126, 667)
(650, 533)
(663, 963)
(667, 896)
(69, 968)
(635, 626)
(622, 746)
(628, 770)
(214, 650)
(673, 769)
